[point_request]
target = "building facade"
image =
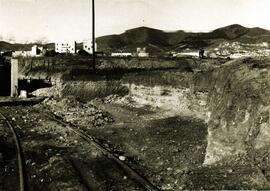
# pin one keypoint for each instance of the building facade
(87, 46)
(34, 52)
(66, 47)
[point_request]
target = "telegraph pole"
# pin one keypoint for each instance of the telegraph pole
(93, 35)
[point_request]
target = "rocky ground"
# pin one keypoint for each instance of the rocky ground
(163, 150)
(58, 159)
(167, 148)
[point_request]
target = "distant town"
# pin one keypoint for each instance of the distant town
(71, 48)
(234, 41)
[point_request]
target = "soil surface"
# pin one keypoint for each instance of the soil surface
(167, 150)
(58, 159)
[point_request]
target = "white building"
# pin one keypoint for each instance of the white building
(141, 52)
(34, 52)
(121, 54)
(183, 54)
(37, 51)
(88, 46)
(68, 47)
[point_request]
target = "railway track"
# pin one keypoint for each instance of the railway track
(124, 168)
(5, 123)
(91, 140)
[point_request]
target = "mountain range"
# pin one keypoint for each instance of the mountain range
(158, 41)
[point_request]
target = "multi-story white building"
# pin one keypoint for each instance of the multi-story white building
(87, 46)
(68, 47)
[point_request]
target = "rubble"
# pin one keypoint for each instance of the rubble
(78, 113)
(122, 158)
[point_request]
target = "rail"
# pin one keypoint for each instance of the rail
(21, 164)
(142, 180)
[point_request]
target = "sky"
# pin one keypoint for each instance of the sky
(56, 20)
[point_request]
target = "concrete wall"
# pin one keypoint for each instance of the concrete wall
(14, 77)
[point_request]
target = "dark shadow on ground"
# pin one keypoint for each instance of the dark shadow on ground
(33, 84)
(5, 80)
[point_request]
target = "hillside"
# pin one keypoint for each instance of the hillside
(154, 40)
(159, 41)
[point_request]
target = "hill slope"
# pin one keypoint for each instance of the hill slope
(159, 41)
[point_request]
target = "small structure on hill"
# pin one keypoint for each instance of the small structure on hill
(66, 47)
(141, 52)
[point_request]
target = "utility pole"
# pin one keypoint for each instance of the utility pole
(93, 35)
